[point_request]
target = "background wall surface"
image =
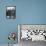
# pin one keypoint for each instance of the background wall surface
(27, 12)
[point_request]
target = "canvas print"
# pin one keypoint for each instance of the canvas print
(11, 12)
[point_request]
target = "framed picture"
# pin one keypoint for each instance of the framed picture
(10, 12)
(33, 32)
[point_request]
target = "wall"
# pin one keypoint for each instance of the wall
(27, 12)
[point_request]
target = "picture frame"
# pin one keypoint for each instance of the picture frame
(10, 12)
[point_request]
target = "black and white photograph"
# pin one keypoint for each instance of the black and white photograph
(11, 12)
